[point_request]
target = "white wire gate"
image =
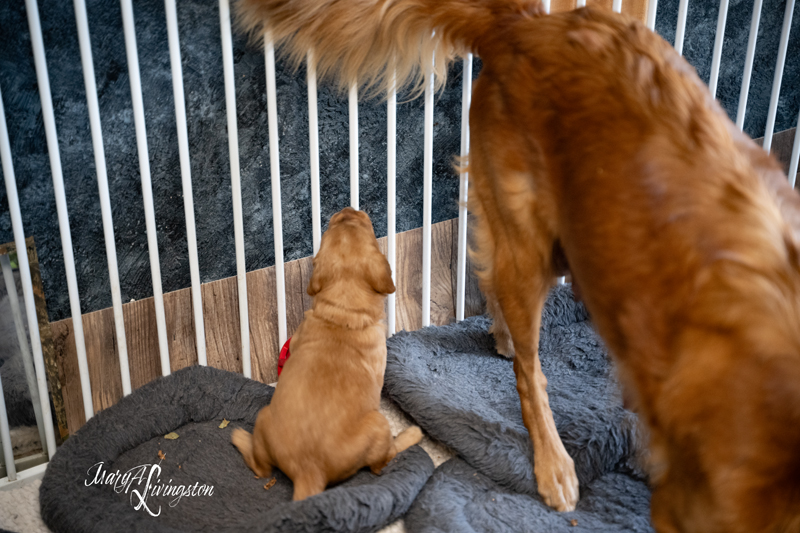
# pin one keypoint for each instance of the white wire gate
(34, 361)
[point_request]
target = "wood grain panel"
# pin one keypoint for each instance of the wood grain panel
(298, 274)
(103, 358)
(180, 329)
(221, 316)
(141, 335)
(264, 345)
(409, 280)
(443, 310)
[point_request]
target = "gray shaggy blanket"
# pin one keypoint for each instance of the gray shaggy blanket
(459, 498)
(170, 479)
(460, 391)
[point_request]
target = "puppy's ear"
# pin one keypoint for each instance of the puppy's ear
(317, 277)
(379, 275)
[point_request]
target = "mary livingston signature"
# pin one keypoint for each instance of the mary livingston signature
(143, 482)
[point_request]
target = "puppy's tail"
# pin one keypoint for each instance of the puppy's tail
(243, 440)
(258, 462)
(380, 43)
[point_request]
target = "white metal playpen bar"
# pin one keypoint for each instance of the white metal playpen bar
(35, 362)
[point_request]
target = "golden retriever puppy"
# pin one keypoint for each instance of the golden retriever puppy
(592, 137)
(323, 424)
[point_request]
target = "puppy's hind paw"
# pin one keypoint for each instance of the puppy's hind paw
(407, 438)
(413, 434)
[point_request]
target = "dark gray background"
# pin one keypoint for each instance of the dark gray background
(205, 103)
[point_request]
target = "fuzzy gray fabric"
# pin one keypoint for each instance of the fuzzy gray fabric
(455, 386)
(193, 402)
(459, 498)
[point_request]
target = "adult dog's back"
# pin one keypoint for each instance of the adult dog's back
(592, 139)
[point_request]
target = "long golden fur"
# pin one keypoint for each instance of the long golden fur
(592, 138)
(323, 423)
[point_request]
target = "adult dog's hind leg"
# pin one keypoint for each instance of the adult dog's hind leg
(515, 254)
(517, 275)
(482, 253)
(522, 282)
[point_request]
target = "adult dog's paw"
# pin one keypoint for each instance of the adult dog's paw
(556, 479)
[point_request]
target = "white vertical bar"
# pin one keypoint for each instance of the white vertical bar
(748, 64)
(48, 118)
(718, 40)
(461, 276)
(616, 5)
(680, 31)
(546, 4)
(102, 186)
(275, 174)
(34, 472)
(313, 148)
(352, 100)
(776, 83)
(186, 178)
(5, 436)
(652, 8)
(22, 340)
(391, 201)
(795, 154)
(22, 250)
(129, 30)
(580, 3)
(427, 200)
(236, 181)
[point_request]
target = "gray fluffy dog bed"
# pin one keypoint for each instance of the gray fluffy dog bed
(192, 403)
(459, 498)
(455, 386)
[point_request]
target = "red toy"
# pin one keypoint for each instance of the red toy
(284, 355)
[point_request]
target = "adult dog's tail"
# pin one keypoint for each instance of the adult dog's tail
(379, 43)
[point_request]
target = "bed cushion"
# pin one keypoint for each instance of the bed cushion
(460, 498)
(451, 381)
(220, 493)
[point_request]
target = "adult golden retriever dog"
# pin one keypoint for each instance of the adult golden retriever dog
(593, 140)
(323, 424)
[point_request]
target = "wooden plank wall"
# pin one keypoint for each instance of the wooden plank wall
(221, 317)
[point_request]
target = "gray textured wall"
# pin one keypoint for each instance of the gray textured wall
(202, 70)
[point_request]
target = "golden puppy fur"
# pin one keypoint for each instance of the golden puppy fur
(592, 139)
(323, 424)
